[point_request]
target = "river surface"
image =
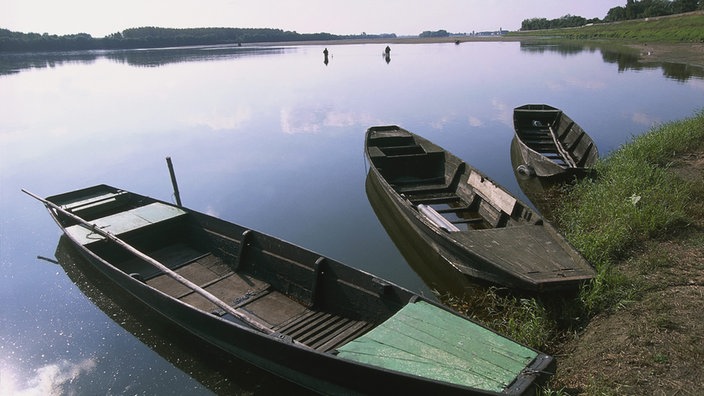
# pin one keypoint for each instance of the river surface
(267, 137)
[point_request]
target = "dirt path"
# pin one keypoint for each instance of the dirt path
(654, 345)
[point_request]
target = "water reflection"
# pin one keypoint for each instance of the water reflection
(161, 57)
(625, 59)
(563, 48)
(14, 63)
(211, 367)
(436, 272)
(630, 61)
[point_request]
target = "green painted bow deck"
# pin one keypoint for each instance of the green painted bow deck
(451, 349)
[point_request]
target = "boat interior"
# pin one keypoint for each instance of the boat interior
(289, 290)
(581, 150)
(555, 136)
(536, 133)
(441, 187)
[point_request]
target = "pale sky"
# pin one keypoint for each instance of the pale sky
(403, 17)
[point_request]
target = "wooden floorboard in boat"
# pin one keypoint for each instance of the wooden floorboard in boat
(275, 308)
(172, 256)
(214, 276)
(323, 331)
(319, 330)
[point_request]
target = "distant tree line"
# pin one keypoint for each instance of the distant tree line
(155, 37)
(437, 33)
(561, 22)
(632, 10)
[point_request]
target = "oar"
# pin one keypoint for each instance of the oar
(240, 315)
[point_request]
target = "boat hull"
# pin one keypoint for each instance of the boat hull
(551, 143)
(278, 353)
(513, 247)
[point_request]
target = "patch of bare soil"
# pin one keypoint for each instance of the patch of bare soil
(654, 345)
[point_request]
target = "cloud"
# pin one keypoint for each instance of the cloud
(315, 119)
(502, 112)
(293, 121)
(567, 84)
(223, 120)
(52, 379)
(585, 84)
(440, 123)
(475, 121)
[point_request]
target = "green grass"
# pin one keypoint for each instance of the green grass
(525, 320)
(634, 198)
(676, 28)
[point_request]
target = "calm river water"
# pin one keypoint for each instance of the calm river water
(271, 138)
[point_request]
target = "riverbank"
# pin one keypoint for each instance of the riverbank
(637, 328)
(644, 332)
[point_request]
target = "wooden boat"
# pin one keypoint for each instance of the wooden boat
(305, 317)
(475, 224)
(551, 143)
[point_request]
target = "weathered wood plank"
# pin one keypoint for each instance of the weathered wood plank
(492, 193)
(446, 348)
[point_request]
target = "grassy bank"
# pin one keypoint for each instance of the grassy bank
(634, 204)
(634, 198)
(675, 28)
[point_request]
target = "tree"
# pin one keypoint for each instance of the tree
(615, 14)
(438, 33)
(653, 8)
(680, 6)
(562, 22)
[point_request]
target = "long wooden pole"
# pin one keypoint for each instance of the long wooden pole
(210, 297)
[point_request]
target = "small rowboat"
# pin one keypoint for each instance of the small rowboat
(551, 143)
(478, 227)
(305, 317)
